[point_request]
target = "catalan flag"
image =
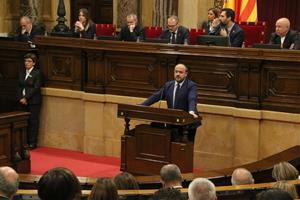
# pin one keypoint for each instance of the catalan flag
(248, 11)
(234, 5)
(245, 10)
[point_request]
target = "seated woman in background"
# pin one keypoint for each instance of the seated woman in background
(104, 189)
(213, 13)
(85, 27)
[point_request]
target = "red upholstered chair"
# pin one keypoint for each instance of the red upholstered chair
(105, 30)
(153, 31)
(194, 33)
(254, 32)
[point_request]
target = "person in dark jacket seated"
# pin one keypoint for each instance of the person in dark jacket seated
(27, 30)
(230, 28)
(132, 31)
(175, 33)
(283, 35)
(213, 13)
(85, 27)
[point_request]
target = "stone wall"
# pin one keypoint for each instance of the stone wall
(228, 136)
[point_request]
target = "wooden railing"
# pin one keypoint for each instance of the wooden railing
(261, 171)
(237, 77)
(223, 192)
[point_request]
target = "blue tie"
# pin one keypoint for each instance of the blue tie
(176, 94)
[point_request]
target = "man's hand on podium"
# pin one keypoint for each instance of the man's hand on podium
(194, 115)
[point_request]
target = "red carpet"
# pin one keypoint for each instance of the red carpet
(45, 158)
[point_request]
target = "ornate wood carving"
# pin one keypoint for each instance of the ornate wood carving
(13, 141)
(239, 77)
(219, 3)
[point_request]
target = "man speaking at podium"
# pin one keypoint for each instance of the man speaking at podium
(181, 94)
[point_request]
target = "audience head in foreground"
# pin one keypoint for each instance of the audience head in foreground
(168, 194)
(9, 182)
(241, 176)
(59, 184)
(104, 189)
(170, 176)
(283, 35)
(290, 188)
(125, 181)
(202, 189)
(274, 194)
(284, 171)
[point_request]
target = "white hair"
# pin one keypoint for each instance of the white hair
(202, 189)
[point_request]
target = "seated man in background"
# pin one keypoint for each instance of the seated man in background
(230, 29)
(27, 31)
(283, 35)
(241, 176)
(175, 33)
(132, 31)
(9, 183)
(202, 188)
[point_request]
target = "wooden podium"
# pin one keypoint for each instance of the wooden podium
(145, 149)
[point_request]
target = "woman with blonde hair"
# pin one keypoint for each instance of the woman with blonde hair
(290, 188)
(284, 171)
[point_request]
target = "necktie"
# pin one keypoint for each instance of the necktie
(27, 74)
(176, 94)
(173, 39)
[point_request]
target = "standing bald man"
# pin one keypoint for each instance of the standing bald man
(9, 183)
(283, 35)
(181, 94)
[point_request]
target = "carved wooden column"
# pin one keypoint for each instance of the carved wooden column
(32, 9)
(126, 7)
(219, 3)
(162, 10)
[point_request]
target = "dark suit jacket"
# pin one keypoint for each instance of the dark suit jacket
(236, 36)
(187, 97)
(89, 33)
(126, 35)
(182, 34)
(32, 86)
(290, 38)
(297, 43)
(36, 30)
